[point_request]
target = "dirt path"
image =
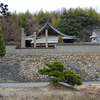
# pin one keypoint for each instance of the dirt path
(52, 92)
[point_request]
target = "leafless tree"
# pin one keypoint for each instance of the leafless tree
(10, 28)
(84, 34)
(31, 26)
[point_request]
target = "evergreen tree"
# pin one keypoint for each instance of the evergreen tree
(2, 44)
(4, 10)
(78, 25)
(60, 74)
(60, 39)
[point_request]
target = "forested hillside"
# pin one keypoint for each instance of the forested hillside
(79, 22)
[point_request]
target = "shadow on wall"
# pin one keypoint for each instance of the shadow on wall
(9, 73)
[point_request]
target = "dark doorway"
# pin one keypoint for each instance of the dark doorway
(69, 40)
(28, 43)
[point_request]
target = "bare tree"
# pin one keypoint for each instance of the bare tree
(31, 26)
(85, 33)
(10, 28)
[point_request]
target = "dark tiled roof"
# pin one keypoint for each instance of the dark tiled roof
(58, 32)
(48, 24)
(54, 29)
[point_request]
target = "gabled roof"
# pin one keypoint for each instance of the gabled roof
(46, 26)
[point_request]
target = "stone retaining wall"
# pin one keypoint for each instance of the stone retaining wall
(24, 67)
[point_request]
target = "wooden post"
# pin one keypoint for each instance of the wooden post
(23, 36)
(34, 39)
(46, 37)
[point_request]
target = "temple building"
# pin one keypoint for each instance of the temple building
(47, 36)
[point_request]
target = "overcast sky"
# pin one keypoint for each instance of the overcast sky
(48, 5)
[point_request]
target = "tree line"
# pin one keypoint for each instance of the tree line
(74, 21)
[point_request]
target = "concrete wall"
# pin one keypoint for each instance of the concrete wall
(59, 49)
(22, 65)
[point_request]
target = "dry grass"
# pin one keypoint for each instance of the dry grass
(52, 92)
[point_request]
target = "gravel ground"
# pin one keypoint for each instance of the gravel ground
(51, 92)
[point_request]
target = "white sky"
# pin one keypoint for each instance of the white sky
(48, 5)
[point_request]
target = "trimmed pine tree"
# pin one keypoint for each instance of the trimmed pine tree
(60, 74)
(2, 44)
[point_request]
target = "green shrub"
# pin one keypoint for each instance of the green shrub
(60, 74)
(55, 70)
(71, 78)
(60, 39)
(2, 44)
